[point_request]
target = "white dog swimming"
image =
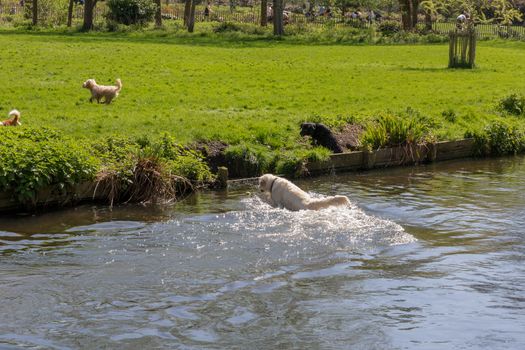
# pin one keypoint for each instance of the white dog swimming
(280, 192)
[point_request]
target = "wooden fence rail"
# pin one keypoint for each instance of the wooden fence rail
(485, 30)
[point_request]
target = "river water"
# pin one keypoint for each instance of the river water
(429, 257)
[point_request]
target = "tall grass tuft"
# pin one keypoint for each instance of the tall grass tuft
(390, 131)
(293, 164)
(245, 160)
(147, 171)
(513, 104)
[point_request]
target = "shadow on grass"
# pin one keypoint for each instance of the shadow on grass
(424, 69)
(443, 69)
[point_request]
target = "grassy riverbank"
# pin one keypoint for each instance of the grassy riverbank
(247, 91)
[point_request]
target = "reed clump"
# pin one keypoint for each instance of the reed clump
(391, 131)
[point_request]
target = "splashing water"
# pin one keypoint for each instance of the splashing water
(278, 234)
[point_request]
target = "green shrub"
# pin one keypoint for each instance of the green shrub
(114, 150)
(50, 12)
(388, 28)
(449, 115)
(7, 18)
(33, 159)
(130, 12)
(504, 139)
(434, 38)
(513, 104)
(227, 27)
(290, 165)
(119, 155)
(248, 160)
(391, 130)
(192, 167)
(356, 23)
(406, 37)
(148, 171)
(294, 163)
(114, 26)
(245, 160)
(182, 161)
(498, 138)
(375, 137)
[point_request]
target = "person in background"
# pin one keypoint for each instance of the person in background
(371, 16)
(461, 20)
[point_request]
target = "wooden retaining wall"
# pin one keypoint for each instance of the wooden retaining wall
(337, 163)
(52, 198)
(395, 156)
(383, 158)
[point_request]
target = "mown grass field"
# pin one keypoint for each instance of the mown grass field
(253, 90)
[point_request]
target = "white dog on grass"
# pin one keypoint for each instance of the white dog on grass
(99, 91)
(280, 192)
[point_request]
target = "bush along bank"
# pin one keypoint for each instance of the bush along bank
(123, 170)
(31, 160)
(502, 137)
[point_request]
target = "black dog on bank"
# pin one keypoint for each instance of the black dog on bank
(321, 135)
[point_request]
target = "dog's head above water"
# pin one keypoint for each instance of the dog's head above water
(266, 181)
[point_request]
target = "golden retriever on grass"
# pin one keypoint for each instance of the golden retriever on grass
(280, 192)
(99, 91)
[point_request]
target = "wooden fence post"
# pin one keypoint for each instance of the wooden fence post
(462, 48)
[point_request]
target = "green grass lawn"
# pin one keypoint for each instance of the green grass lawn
(254, 90)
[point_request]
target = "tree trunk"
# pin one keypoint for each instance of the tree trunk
(89, 11)
(158, 14)
(278, 25)
(409, 13)
(428, 21)
(415, 8)
(405, 18)
(191, 19)
(35, 12)
(70, 14)
(264, 13)
(187, 10)
(410, 17)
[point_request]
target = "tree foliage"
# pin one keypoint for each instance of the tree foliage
(497, 11)
(131, 11)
